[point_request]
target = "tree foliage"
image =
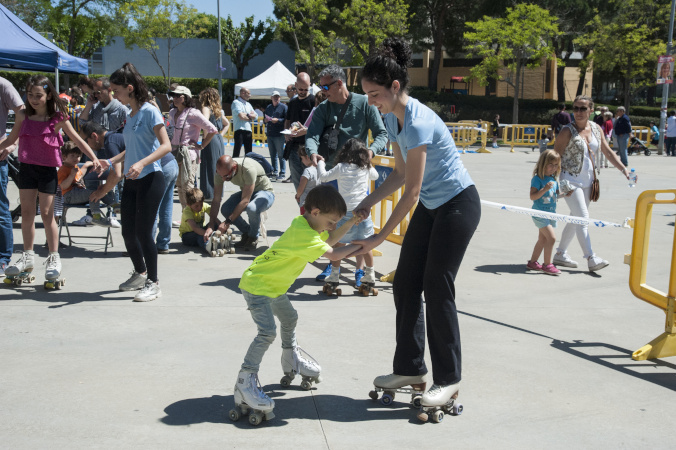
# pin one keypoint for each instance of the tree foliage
(151, 20)
(628, 42)
(246, 41)
(522, 39)
(33, 12)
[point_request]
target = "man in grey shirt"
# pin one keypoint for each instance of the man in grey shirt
(9, 99)
(108, 112)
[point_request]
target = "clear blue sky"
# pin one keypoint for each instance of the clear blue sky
(238, 9)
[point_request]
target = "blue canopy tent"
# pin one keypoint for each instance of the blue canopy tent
(23, 48)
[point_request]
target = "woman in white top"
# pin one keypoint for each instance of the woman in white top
(574, 143)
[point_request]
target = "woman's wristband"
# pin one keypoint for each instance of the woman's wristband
(110, 163)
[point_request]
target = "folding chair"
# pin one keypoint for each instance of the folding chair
(108, 237)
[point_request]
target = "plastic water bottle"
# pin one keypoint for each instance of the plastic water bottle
(633, 178)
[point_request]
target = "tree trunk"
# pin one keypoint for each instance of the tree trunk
(583, 76)
(652, 92)
(434, 68)
(626, 93)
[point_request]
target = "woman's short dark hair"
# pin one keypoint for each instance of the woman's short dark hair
(390, 63)
(127, 75)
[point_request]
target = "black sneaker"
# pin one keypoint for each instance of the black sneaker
(250, 243)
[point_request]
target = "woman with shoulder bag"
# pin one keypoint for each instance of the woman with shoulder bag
(576, 143)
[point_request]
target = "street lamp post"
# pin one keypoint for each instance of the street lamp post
(220, 50)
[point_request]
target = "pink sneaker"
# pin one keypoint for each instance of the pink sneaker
(550, 269)
(534, 265)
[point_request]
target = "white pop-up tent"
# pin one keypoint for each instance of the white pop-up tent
(276, 78)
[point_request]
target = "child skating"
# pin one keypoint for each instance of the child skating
(308, 180)
(264, 285)
(353, 171)
(544, 190)
(37, 130)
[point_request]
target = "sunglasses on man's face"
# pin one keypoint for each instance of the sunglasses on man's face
(580, 109)
(325, 87)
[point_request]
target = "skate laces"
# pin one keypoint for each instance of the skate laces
(298, 356)
(435, 389)
(256, 386)
(51, 262)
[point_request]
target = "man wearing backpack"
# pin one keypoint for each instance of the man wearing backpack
(255, 197)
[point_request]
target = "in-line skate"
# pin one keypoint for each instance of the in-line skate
(440, 400)
(251, 400)
(53, 279)
(392, 383)
(368, 283)
(295, 361)
(20, 272)
(331, 283)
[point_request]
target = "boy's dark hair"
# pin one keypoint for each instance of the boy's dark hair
(326, 199)
(70, 148)
(354, 152)
(193, 196)
(92, 127)
(301, 151)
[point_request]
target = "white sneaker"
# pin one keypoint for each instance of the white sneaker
(53, 269)
(114, 223)
(293, 362)
(439, 395)
(595, 263)
(151, 291)
(394, 381)
(175, 224)
(248, 391)
(101, 221)
(562, 259)
(134, 283)
(84, 221)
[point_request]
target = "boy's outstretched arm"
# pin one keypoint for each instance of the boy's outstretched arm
(336, 254)
(335, 235)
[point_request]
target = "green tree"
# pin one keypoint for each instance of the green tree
(84, 33)
(33, 12)
(245, 42)
(628, 42)
(364, 24)
(205, 26)
(304, 25)
(151, 20)
(520, 40)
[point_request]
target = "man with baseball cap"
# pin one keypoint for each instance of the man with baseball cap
(275, 113)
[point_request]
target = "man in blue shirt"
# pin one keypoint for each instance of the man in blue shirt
(242, 115)
(623, 132)
(275, 113)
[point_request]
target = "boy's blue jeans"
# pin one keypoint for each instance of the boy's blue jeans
(193, 239)
(263, 311)
(260, 201)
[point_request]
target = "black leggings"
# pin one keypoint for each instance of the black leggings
(140, 201)
(433, 248)
(242, 137)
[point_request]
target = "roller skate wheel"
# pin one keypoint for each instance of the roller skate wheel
(375, 291)
(232, 251)
(255, 419)
(213, 253)
(19, 281)
(305, 384)
(221, 252)
(228, 232)
(438, 416)
(373, 395)
(457, 409)
(363, 291)
(387, 399)
(416, 401)
(285, 381)
(339, 292)
(235, 414)
(8, 281)
(422, 415)
(318, 379)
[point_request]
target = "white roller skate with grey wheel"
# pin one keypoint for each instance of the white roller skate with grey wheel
(440, 400)
(295, 361)
(393, 383)
(331, 283)
(213, 246)
(53, 279)
(250, 399)
(20, 272)
(368, 283)
(226, 244)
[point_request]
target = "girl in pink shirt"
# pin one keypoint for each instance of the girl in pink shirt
(187, 122)
(37, 129)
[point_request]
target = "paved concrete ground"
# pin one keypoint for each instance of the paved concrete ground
(546, 359)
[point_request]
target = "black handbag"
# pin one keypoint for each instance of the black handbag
(328, 140)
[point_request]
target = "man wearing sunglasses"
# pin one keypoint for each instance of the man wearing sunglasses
(255, 197)
(108, 112)
(299, 110)
(356, 122)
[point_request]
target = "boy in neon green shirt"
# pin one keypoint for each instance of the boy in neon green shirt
(264, 286)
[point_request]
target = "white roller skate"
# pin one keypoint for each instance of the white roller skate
(226, 244)
(440, 400)
(368, 282)
(250, 399)
(294, 362)
(331, 283)
(53, 278)
(21, 271)
(213, 247)
(392, 383)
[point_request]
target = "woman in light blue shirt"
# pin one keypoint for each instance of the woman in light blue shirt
(146, 142)
(448, 212)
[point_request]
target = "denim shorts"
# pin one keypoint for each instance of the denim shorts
(541, 223)
(359, 231)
